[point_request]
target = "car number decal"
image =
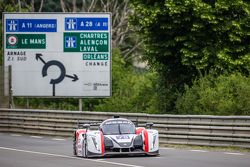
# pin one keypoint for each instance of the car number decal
(122, 137)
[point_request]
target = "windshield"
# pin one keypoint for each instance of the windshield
(118, 129)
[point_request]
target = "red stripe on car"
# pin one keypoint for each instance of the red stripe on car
(145, 133)
(102, 143)
(139, 130)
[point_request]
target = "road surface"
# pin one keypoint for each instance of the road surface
(36, 151)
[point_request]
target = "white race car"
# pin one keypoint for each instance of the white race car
(116, 136)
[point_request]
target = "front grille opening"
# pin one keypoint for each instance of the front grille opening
(125, 150)
(117, 150)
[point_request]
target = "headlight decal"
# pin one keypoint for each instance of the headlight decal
(154, 141)
(95, 144)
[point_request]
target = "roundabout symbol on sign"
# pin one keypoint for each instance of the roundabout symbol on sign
(62, 75)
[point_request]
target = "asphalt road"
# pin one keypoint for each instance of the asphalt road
(35, 151)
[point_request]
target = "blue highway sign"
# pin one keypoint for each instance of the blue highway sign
(31, 25)
(91, 24)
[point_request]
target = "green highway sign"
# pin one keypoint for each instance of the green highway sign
(96, 56)
(25, 41)
(86, 42)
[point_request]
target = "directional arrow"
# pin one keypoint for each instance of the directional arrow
(62, 75)
(39, 57)
(59, 65)
(74, 77)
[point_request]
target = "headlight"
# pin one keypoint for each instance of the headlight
(138, 142)
(108, 142)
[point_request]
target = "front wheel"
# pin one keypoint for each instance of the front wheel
(84, 148)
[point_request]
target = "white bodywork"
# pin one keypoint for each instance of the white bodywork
(153, 140)
(90, 143)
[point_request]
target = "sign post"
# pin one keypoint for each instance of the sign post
(58, 54)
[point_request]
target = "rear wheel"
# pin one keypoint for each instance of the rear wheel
(74, 144)
(74, 147)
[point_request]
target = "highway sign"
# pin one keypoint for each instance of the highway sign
(58, 54)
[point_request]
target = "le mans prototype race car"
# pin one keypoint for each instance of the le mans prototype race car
(116, 136)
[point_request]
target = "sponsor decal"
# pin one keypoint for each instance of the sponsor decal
(122, 137)
(96, 85)
(117, 122)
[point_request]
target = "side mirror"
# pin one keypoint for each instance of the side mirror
(149, 125)
(85, 126)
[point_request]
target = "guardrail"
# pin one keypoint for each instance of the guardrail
(173, 129)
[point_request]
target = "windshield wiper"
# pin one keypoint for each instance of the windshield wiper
(119, 128)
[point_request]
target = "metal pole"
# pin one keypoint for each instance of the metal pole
(80, 104)
(27, 103)
(10, 88)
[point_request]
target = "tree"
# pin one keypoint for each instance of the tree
(183, 38)
(195, 35)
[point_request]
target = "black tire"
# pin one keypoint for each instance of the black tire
(74, 148)
(74, 144)
(84, 148)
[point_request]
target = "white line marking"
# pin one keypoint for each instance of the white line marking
(16, 135)
(37, 137)
(233, 153)
(65, 156)
(202, 151)
(163, 148)
(58, 139)
(120, 164)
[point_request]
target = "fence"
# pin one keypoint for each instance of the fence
(173, 129)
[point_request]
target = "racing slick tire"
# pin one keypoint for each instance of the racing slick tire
(74, 148)
(84, 148)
